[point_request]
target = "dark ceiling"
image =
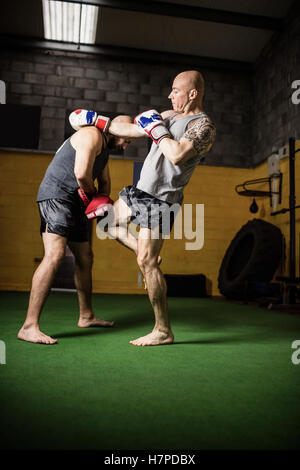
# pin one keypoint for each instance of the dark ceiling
(234, 30)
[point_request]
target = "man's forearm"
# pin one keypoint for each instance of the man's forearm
(104, 187)
(87, 185)
(171, 150)
(177, 152)
(124, 129)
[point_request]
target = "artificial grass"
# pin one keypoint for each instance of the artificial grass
(227, 383)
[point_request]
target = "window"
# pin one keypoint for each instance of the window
(70, 22)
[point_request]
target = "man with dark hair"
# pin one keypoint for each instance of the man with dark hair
(66, 189)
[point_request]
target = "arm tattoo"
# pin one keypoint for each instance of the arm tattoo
(202, 133)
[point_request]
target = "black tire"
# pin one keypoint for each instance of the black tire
(252, 257)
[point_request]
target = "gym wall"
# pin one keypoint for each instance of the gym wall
(252, 111)
(115, 269)
(275, 117)
(60, 82)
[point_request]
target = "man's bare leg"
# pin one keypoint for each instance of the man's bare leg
(54, 246)
(83, 282)
(148, 253)
(119, 230)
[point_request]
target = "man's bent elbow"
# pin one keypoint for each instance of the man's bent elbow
(178, 158)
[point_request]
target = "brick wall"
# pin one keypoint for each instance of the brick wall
(275, 117)
(59, 82)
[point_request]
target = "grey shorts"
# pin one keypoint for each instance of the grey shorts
(64, 218)
(148, 211)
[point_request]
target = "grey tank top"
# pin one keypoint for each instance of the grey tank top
(59, 181)
(161, 178)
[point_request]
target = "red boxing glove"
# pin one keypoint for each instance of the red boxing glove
(85, 197)
(103, 123)
(98, 206)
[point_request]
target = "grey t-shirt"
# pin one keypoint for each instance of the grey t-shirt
(161, 178)
(59, 181)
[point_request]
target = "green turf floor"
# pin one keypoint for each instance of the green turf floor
(228, 382)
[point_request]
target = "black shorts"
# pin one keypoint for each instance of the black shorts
(148, 211)
(64, 218)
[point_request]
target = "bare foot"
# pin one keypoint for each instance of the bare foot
(87, 323)
(154, 339)
(34, 335)
(159, 260)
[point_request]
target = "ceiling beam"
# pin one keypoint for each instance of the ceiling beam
(125, 53)
(190, 12)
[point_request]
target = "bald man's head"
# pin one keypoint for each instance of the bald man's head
(192, 79)
(187, 91)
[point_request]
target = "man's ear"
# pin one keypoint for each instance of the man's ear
(193, 94)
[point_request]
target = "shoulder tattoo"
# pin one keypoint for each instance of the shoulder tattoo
(202, 133)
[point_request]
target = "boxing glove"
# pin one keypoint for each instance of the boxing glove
(82, 117)
(98, 206)
(151, 123)
(85, 197)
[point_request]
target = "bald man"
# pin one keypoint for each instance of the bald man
(81, 159)
(181, 136)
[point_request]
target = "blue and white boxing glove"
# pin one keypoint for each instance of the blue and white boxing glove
(82, 117)
(151, 123)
